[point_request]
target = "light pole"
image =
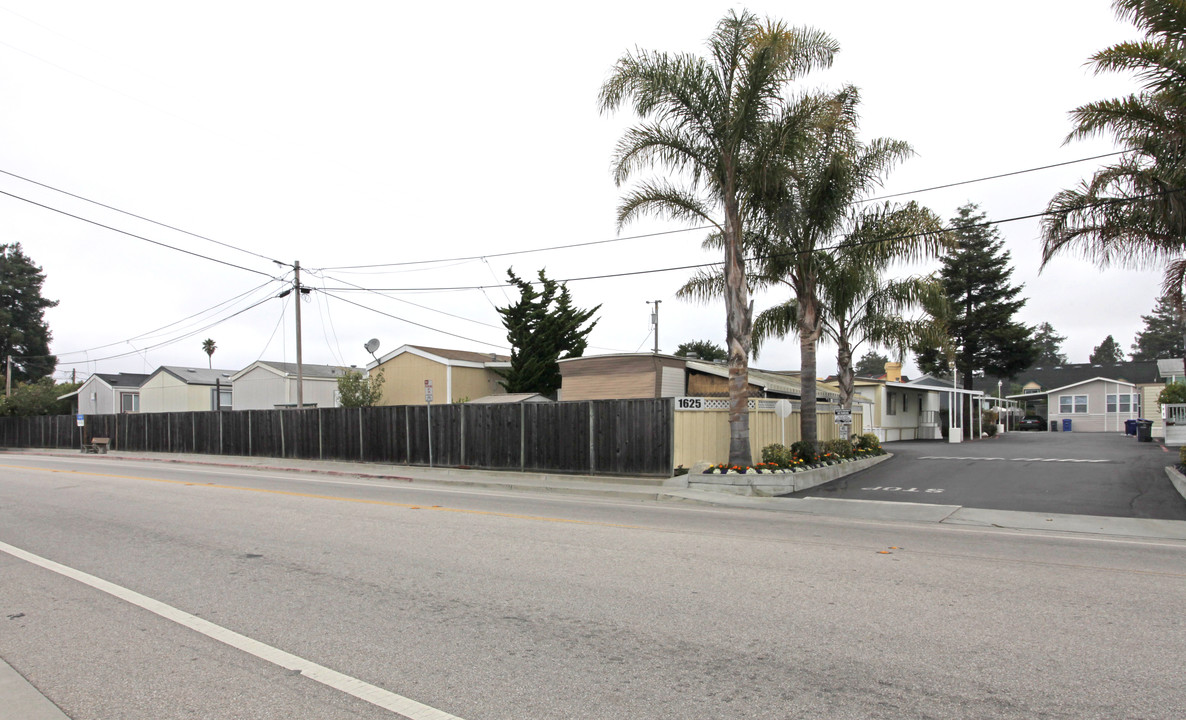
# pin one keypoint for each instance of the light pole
(1000, 407)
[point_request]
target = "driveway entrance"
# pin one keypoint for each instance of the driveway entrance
(1105, 474)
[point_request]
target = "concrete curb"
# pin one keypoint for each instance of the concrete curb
(22, 700)
(1177, 478)
(769, 485)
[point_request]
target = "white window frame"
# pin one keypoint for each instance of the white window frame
(1073, 402)
(1124, 403)
(135, 396)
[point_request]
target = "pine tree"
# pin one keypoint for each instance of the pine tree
(1162, 336)
(984, 337)
(871, 365)
(703, 349)
(542, 327)
(1049, 346)
(1107, 352)
(24, 333)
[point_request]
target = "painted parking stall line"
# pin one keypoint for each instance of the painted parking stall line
(1001, 459)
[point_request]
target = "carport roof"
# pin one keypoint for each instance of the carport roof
(1073, 385)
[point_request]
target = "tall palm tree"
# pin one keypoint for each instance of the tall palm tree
(209, 347)
(712, 121)
(1132, 213)
(809, 222)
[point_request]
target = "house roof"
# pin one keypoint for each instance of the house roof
(309, 371)
(1060, 376)
(446, 356)
(196, 376)
(123, 380)
(509, 398)
(1172, 367)
(1074, 385)
(779, 382)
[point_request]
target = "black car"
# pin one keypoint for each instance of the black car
(1032, 422)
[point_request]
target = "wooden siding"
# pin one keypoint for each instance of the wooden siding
(404, 376)
(609, 386)
(165, 393)
(472, 383)
(1096, 419)
(701, 385)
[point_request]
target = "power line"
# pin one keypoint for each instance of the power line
(824, 248)
(138, 217)
(138, 237)
(710, 227)
(407, 302)
(410, 322)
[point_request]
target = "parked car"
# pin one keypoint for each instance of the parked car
(1032, 422)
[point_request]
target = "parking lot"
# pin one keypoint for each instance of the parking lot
(1108, 474)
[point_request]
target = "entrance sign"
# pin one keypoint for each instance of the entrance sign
(428, 391)
(843, 417)
(80, 420)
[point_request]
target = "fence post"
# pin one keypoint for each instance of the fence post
(361, 448)
(320, 438)
(407, 435)
(592, 441)
(461, 411)
(221, 451)
(249, 433)
(282, 454)
(522, 436)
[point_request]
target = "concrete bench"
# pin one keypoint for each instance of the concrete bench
(97, 446)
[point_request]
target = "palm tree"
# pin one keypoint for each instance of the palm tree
(713, 121)
(809, 210)
(1132, 213)
(209, 347)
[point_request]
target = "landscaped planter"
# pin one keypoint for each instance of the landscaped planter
(767, 484)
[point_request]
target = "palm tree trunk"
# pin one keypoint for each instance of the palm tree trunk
(810, 330)
(844, 374)
(738, 329)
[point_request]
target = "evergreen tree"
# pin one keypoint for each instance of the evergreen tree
(354, 390)
(1049, 345)
(1162, 336)
(543, 327)
(24, 334)
(1107, 352)
(703, 349)
(871, 365)
(982, 336)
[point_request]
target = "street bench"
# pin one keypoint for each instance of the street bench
(97, 446)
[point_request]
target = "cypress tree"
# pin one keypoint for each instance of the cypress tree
(981, 304)
(1162, 336)
(24, 333)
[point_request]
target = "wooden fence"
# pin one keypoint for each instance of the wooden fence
(600, 437)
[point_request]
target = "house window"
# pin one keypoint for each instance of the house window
(1124, 402)
(1031, 391)
(129, 402)
(891, 405)
(1072, 404)
(223, 401)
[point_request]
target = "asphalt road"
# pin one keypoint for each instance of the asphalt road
(491, 605)
(1075, 473)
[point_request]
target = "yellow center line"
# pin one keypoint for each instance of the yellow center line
(337, 498)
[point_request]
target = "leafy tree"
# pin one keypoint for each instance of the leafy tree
(355, 390)
(1106, 352)
(39, 398)
(703, 349)
(1132, 213)
(1049, 346)
(24, 333)
(209, 347)
(543, 327)
(1172, 394)
(1162, 336)
(982, 335)
(871, 365)
(714, 121)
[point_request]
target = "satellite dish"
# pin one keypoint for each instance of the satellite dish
(371, 346)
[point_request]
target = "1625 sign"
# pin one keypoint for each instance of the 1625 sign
(689, 403)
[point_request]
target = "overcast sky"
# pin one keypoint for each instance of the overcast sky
(368, 133)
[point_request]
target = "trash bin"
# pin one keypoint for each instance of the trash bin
(1144, 430)
(1130, 427)
(1066, 424)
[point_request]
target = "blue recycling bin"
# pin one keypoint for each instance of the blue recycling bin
(1130, 427)
(1066, 424)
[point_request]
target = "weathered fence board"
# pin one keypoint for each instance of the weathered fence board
(601, 437)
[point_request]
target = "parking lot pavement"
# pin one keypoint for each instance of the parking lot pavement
(1107, 474)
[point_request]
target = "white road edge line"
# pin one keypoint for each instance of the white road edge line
(372, 694)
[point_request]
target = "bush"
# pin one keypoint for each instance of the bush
(778, 454)
(868, 441)
(805, 450)
(1172, 394)
(989, 421)
(839, 447)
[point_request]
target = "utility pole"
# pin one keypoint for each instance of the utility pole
(655, 321)
(300, 365)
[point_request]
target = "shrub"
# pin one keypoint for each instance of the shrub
(839, 447)
(1172, 394)
(805, 451)
(868, 441)
(778, 454)
(989, 421)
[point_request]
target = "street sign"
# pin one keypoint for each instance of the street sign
(783, 408)
(80, 420)
(428, 391)
(843, 417)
